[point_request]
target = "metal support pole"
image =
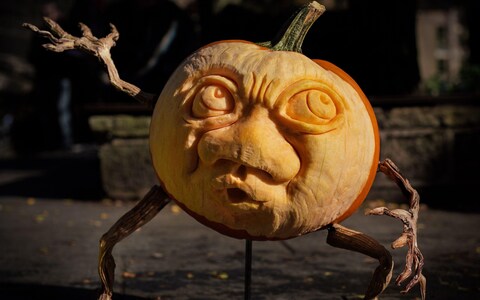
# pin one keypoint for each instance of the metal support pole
(248, 268)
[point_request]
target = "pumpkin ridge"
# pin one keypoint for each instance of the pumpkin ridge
(373, 170)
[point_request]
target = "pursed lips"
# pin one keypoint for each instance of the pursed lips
(236, 189)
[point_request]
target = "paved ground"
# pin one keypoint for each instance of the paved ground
(49, 247)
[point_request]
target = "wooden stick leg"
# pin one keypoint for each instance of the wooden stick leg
(142, 213)
(248, 270)
(342, 237)
(414, 260)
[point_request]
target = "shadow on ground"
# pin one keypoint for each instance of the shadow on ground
(57, 175)
(32, 291)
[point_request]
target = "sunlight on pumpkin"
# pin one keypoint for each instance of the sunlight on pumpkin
(264, 150)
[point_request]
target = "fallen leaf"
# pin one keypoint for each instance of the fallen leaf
(175, 209)
(222, 275)
(31, 201)
(128, 275)
(104, 216)
(190, 275)
(40, 218)
(308, 280)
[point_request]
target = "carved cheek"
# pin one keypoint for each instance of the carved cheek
(317, 153)
(314, 115)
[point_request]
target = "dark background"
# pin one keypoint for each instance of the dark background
(374, 41)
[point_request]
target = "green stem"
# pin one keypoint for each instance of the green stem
(291, 37)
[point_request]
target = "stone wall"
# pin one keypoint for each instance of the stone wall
(436, 146)
(125, 163)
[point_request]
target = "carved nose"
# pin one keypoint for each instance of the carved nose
(254, 142)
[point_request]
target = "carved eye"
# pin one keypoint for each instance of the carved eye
(311, 106)
(211, 101)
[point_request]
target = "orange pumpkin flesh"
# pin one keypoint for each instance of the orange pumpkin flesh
(263, 144)
(373, 171)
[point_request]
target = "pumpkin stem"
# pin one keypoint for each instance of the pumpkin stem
(291, 37)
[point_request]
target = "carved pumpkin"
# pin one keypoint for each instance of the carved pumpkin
(263, 143)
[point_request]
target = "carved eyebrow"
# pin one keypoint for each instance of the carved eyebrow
(222, 71)
(270, 76)
(258, 87)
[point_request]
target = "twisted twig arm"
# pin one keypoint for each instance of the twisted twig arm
(414, 260)
(60, 41)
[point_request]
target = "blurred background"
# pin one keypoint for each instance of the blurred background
(417, 60)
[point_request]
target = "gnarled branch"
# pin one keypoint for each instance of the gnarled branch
(60, 41)
(414, 260)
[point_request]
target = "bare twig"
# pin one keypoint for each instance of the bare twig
(345, 238)
(138, 216)
(414, 260)
(60, 41)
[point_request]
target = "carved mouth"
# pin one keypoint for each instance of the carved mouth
(236, 195)
(235, 190)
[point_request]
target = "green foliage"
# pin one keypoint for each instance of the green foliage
(468, 81)
(438, 85)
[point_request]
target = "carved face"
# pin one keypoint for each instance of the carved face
(263, 144)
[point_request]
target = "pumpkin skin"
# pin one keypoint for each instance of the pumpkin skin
(263, 144)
